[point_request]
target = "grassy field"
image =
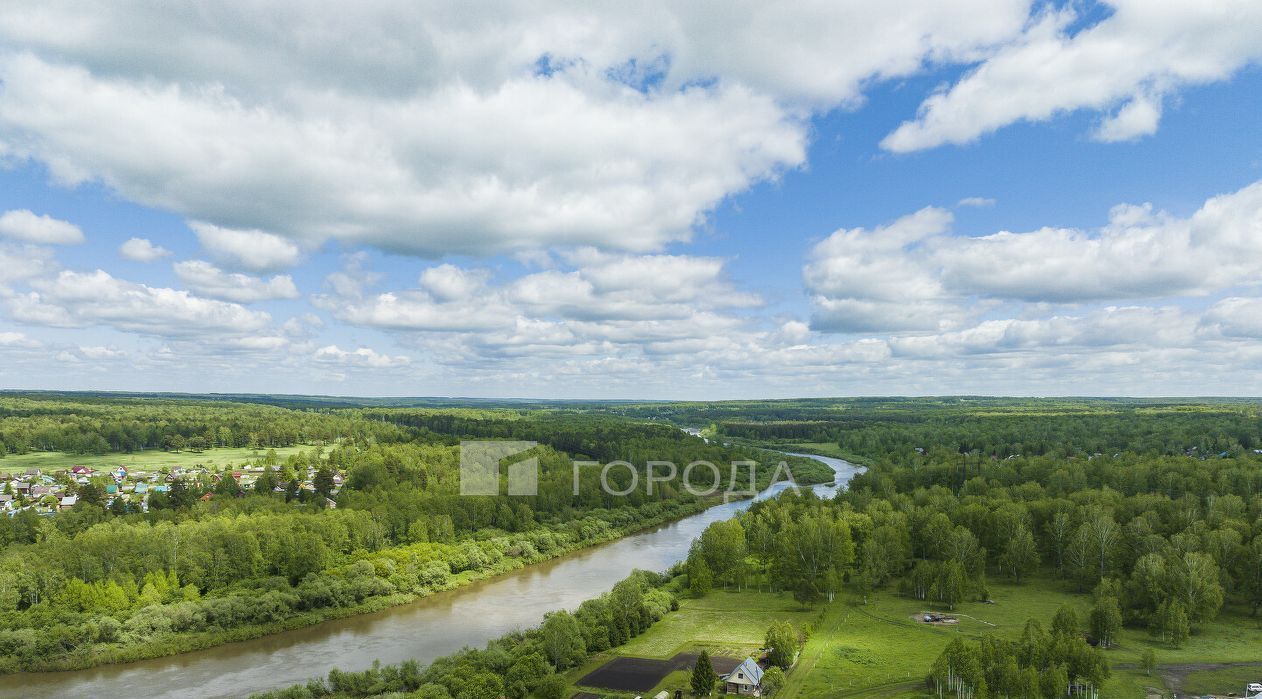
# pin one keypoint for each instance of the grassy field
(730, 624)
(724, 623)
(1222, 680)
(55, 460)
(822, 448)
(879, 650)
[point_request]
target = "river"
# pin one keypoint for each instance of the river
(428, 628)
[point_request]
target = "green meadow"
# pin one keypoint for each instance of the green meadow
(144, 460)
(723, 623)
(880, 650)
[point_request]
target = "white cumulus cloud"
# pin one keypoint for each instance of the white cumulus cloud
(250, 249)
(79, 299)
(142, 250)
(463, 130)
(208, 280)
(1124, 67)
(914, 274)
(9, 338)
(361, 357)
(26, 226)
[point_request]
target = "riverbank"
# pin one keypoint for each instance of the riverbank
(829, 449)
(87, 655)
(176, 644)
(431, 626)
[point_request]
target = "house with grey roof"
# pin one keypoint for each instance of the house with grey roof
(745, 679)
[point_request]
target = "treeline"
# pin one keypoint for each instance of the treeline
(127, 425)
(1039, 664)
(812, 548)
(1169, 540)
(895, 427)
(1148, 431)
(597, 437)
(521, 664)
(1205, 432)
(796, 543)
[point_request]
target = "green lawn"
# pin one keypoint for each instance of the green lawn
(724, 623)
(55, 460)
(822, 448)
(873, 650)
(1222, 680)
(879, 650)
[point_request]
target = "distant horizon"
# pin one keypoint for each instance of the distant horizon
(528, 399)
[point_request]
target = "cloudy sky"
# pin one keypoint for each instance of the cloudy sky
(632, 200)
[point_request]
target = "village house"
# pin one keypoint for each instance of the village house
(746, 679)
(47, 494)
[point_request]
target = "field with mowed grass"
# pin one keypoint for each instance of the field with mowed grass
(880, 650)
(726, 624)
(723, 623)
(1197, 681)
(55, 460)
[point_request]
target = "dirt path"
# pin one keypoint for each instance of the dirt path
(1174, 674)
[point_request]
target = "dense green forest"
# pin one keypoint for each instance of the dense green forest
(894, 427)
(210, 561)
(1150, 510)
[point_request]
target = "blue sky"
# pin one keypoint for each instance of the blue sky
(847, 199)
